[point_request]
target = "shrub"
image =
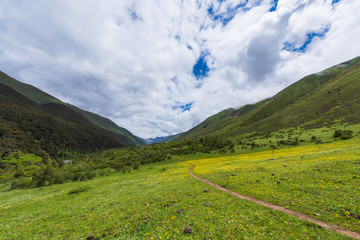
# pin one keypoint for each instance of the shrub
(79, 176)
(79, 190)
(30, 170)
(59, 177)
(2, 164)
(136, 165)
(337, 133)
(19, 172)
(39, 177)
(346, 134)
(105, 172)
(21, 182)
(118, 166)
(90, 174)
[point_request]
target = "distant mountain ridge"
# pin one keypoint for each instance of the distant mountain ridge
(160, 139)
(283, 109)
(45, 120)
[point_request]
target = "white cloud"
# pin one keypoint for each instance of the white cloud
(132, 61)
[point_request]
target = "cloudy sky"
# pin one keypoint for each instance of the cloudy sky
(159, 67)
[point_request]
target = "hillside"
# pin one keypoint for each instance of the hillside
(110, 126)
(29, 91)
(335, 101)
(70, 112)
(268, 115)
(35, 122)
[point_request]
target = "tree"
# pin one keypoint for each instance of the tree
(19, 172)
(136, 165)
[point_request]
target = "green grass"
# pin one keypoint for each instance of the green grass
(143, 204)
(321, 180)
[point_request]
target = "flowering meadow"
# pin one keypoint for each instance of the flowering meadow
(320, 180)
(162, 201)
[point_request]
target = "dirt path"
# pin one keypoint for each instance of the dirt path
(352, 234)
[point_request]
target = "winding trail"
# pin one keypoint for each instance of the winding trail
(299, 215)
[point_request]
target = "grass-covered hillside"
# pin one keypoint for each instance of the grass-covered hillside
(29, 91)
(33, 121)
(28, 127)
(298, 104)
(111, 127)
(57, 107)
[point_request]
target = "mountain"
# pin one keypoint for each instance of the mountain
(110, 126)
(160, 139)
(34, 121)
(303, 103)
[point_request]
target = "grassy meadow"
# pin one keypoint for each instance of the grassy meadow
(320, 177)
(322, 181)
(160, 200)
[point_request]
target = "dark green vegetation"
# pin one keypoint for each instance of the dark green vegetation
(321, 99)
(26, 170)
(35, 122)
(38, 132)
(108, 125)
(66, 111)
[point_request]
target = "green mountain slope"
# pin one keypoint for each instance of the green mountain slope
(261, 116)
(69, 112)
(31, 92)
(299, 89)
(28, 127)
(335, 101)
(110, 126)
(208, 126)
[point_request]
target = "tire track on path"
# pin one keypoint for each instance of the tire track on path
(299, 215)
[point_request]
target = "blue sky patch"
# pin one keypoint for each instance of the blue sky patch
(227, 16)
(185, 107)
(291, 47)
(134, 15)
(175, 80)
(199, 85)
(334, 2)
(275, 4)
(201, 69)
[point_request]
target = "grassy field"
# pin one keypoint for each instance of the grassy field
(321, 180)
(158, 201)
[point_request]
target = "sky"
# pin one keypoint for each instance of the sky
(160, 67)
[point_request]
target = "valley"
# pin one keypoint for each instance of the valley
(160, 200)
(171, 120)
(70, 174)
